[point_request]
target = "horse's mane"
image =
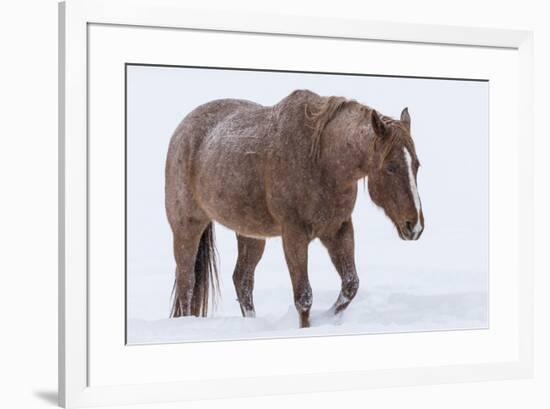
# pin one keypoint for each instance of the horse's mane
(321, 114)
(319, 118)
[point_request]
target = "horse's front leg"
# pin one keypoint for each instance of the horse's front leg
(340, 245)
(295, 245)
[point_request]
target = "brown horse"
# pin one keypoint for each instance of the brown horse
(287, 170)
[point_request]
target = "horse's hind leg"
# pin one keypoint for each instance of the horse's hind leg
(250, 252)
(187, 237)
(340, 245)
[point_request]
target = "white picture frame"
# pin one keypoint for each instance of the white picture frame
(75, 388)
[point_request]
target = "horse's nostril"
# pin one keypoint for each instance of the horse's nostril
(409, 227)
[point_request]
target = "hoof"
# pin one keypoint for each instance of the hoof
(304, 320)
(249, 314)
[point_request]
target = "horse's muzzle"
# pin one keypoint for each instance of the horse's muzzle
(410, 231)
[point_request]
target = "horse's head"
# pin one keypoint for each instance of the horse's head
(392, 170)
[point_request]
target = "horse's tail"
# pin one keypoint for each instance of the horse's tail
(206, 278)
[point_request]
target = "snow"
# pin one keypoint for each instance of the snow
(378, 309)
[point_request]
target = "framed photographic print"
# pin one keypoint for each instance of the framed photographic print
(283, 204)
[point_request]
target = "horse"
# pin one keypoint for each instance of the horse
(289, 170)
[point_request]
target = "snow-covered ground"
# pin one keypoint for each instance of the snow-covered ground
(376, 309)
(436, 283)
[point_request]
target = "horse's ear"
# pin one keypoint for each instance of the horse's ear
(406, 118)
(378, 125)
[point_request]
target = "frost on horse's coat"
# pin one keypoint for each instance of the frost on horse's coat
(287, 170)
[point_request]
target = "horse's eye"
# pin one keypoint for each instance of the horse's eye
(392, 168)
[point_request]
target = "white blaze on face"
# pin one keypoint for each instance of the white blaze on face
(412, 183)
